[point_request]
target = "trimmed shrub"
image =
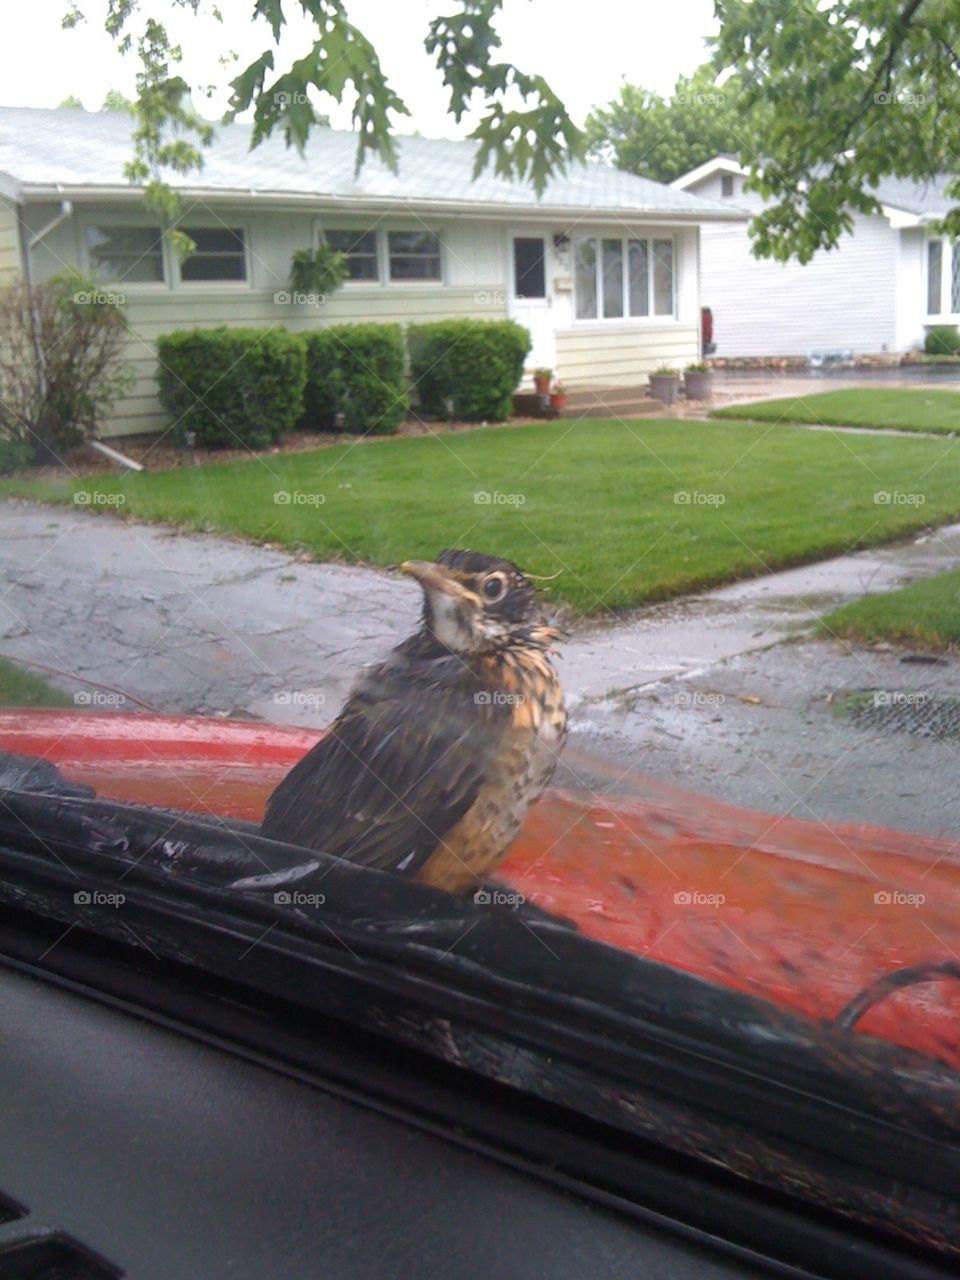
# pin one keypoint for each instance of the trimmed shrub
(232, 386)
(468, 366)
(942, 340)
(356, 370)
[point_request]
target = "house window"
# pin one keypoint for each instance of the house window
(124, 253)
(623, 277)
(612, 279)
(414, 255)
(934, 277)
(663, 277)
(954, 281)
(220, 255)
(529, 268)
(726, 184)
(586, 279)
(360, 250)
(638, 264)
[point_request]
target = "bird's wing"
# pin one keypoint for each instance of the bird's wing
(399, 767)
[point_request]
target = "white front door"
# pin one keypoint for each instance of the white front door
(530, 298)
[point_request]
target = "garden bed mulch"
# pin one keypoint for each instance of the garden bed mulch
(164, 455)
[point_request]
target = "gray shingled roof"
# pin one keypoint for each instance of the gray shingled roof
(926, 200)
(80, 150)
(923, 198)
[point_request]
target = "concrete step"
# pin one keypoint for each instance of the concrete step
(594, 402)
(633, 406)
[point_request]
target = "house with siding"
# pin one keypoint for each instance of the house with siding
(603, 269)
(877, 292)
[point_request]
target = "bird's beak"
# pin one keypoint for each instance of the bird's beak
(434, 577)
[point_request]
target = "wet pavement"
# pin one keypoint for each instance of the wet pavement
(776, 730)
(723, 692)
(741, 386)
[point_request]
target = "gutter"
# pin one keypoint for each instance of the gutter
(385, 205)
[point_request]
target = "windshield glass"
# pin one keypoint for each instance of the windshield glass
(530, 541)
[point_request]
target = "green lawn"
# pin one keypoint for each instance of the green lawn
(925, 614)
(628, 513)
(906, 408)
(20, 688)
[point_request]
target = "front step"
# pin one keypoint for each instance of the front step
(594, 402)
(612, 402)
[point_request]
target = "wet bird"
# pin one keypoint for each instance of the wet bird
(440, 750)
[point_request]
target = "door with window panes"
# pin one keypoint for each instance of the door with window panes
(529, 297)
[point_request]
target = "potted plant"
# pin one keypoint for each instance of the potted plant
(316, 273)
(698, 382)
(541, 380)
(665, 384)
(558, 397)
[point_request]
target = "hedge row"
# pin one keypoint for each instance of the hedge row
(355, 370)
(252, 386)
(232, 386)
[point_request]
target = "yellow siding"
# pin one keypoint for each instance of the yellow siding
(622, 355)
(9, 242)
(152, 315)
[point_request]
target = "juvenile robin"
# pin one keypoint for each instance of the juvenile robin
(440, 750)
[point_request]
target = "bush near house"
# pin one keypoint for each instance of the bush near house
(467, 369)
(942, 340)
(60, 367)
(356, 370)
(232, 386)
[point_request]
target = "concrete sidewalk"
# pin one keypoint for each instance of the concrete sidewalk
(129, 615)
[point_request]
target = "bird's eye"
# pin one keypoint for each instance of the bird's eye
(494, 588)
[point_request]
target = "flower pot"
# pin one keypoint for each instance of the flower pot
(664, 387)
(542, 384)
(558, 400)
(698, 386)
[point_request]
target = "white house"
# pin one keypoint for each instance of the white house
(603, 269)
(876, 292)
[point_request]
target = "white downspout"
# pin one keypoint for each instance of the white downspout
(66, 211)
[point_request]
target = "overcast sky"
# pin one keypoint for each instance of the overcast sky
(584, 51)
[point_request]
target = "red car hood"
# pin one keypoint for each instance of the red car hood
(796, 912)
